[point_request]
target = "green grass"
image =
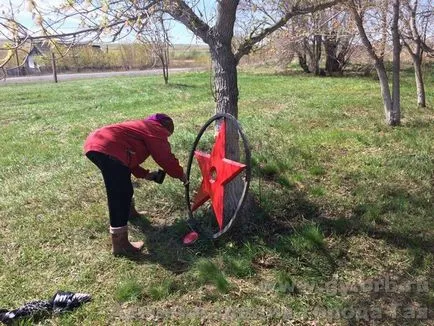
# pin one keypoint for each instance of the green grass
(129, 290)
(209, 273)
(341, 200)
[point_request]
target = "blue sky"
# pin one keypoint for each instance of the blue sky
(181, 35)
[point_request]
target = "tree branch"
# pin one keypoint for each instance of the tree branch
(97, 29)
(427, 49)
(184, 14)
(365, 40)
(248, 44)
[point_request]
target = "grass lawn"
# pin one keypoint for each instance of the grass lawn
(343, 229)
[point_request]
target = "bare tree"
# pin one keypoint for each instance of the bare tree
(339, 33)
(306, 40)
(417, 20)
(156, 37)
(225, 59)
(330, 32)
(359, 10)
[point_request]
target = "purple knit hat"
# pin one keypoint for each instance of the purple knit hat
(164, 120)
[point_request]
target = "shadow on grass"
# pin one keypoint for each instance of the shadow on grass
(286, 235)
(367, 219)
(271, 222)
(403, 295)
(164, 245)
(420, 123)
(181, 86)
(285, 232)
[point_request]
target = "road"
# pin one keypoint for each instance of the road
(87, 75)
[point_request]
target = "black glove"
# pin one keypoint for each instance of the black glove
(159, 176)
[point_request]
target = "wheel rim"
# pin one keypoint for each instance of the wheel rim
(229, 223)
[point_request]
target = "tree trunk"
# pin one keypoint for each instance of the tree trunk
(18, 63)
(53, 66)
(224, 64)
(308, 49)
(165, 50)
(302, 61)
(317, 55)
(226, 93)
(165, 73)
(395, 116)
(385, 89)
(421, 98)
(417, 54)
(391, 119)
(164, 58)
(225, 79)
(333, 66)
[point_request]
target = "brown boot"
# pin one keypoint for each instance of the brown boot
(120, 243)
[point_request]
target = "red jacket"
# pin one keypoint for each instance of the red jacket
(132, 142)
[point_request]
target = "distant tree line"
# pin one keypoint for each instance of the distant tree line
(127, 56)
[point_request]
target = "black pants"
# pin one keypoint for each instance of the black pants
(117, 179)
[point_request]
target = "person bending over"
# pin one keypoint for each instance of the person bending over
(118, 150)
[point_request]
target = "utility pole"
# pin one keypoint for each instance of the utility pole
(18, 62)
(53, 65)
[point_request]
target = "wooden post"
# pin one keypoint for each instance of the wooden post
(53, 65)
(18, 63)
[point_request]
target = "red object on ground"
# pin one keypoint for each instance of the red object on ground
(190, 238)
(216, 172)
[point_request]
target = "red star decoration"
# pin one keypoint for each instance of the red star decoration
(216, 172)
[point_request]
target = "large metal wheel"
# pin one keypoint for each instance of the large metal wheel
(205, 220)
